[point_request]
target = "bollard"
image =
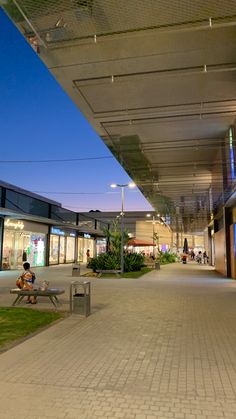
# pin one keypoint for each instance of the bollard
(76, 270)
(157, 265)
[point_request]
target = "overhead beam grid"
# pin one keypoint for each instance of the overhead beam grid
(157, 80)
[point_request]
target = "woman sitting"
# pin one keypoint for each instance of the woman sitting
(26, 281)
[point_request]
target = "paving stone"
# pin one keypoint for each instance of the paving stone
(161, 346)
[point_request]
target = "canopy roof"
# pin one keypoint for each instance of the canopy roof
(157, 81)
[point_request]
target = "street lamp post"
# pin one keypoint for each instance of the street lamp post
(154, 221)
(122, 186)
(153, 235)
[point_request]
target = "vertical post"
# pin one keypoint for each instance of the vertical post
(1, 240)
(153, 234)
(228, 244)
(122, 231)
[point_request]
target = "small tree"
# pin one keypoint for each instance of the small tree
(112, 259)
(113, 235)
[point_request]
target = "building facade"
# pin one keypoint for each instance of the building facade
(148, 231)
(42, 232)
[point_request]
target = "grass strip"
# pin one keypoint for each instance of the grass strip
(16, 323)
(134, 274)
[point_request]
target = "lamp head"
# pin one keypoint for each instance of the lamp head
(131, 185)
(113, 185)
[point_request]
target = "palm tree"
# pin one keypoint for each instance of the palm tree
(113, 235)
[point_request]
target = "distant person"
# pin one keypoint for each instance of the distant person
(26, 281)
(205, 258)
(88, 255)
(199, 257)
(24, 256)
(192, 255)
(184, 258)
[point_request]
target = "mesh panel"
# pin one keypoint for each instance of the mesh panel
(61, 20)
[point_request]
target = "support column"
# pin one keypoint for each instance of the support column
(1, 240)
(227, 219)
(177, 228)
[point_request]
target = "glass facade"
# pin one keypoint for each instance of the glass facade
(62, 214)
(86, 221)
(26, 204)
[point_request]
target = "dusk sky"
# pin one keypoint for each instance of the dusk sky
(38, 122)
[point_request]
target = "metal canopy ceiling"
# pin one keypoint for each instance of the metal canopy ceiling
(156, 79)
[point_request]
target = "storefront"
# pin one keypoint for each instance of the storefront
(62, 246)
(85, 244)
(141, 246)
(23, 241)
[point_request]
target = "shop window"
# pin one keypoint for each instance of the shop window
(70, 249)
(101, 245)
(80, 255)
(62, 250)
(22, 246)
(54, 249)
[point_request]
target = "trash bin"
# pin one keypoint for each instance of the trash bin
(157, 265)
(80, 297)
(76, 270)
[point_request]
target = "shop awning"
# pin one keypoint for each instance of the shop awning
(5, 212)
(143, 243)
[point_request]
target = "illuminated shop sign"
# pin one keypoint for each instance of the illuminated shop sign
(87, 236)
(17, 225)
(231, 153)
(58, 231)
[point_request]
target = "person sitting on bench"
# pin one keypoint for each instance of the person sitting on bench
(26, 281)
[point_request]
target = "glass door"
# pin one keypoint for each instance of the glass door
(70, 249)
(54, 248)
(62, 250)
(80, 250)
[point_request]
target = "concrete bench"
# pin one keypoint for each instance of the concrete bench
(117, 272)
(51, 293)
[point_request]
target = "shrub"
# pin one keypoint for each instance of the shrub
(104, 261)
(166, 257)
(132, 262)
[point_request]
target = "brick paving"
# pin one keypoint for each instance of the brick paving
(161, 346)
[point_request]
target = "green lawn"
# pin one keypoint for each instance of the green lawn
(16, 323)
(135, 274)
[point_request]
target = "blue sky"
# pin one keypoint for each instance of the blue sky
(39, 121)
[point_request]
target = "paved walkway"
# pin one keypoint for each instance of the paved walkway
(163, 346)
